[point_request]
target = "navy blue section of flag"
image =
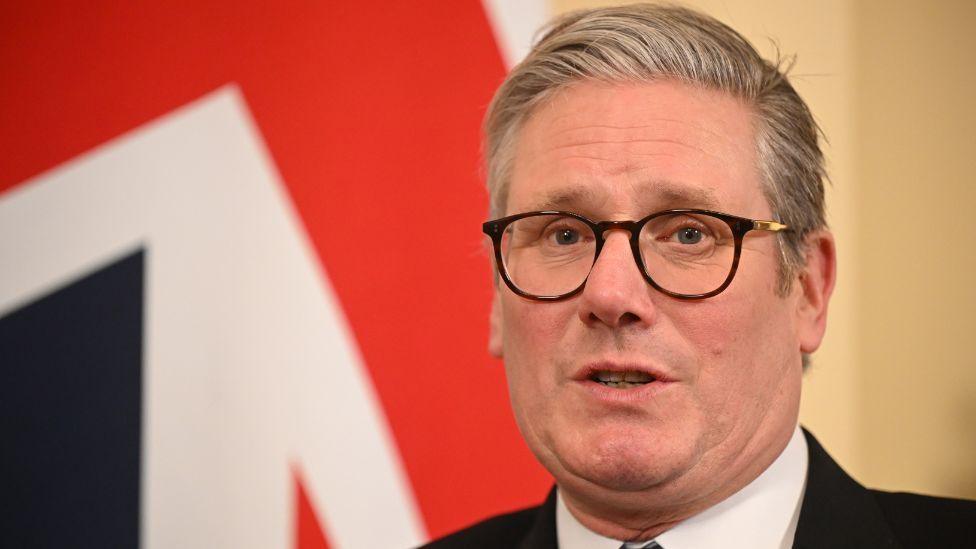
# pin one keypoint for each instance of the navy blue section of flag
(71, 413)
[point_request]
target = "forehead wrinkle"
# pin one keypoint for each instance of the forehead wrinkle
(663, 193)
(714, 142)
(696, 125)
(587, 143)
(607, 159)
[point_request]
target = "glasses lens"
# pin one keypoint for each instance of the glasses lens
(687, 253)
(548, 254)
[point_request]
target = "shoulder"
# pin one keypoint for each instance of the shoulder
(499, 531)
(927, 520)
(837, 511)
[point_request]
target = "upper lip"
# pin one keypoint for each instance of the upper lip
(587, 371)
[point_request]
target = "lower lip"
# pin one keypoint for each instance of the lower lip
(644, 392)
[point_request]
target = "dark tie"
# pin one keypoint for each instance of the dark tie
(647, 545)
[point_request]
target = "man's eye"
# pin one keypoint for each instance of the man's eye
(566, 236)
(689, 235)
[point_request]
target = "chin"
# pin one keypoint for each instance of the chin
(628, 462)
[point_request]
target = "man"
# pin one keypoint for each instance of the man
(664, 269)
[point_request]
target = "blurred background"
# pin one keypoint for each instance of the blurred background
(231, 315)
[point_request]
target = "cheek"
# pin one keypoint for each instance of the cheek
(748, 320)
(533, 337)
(743, 346)
(532, 330)
(532, 342)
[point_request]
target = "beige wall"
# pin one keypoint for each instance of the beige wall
(892, 393)
(916, 171)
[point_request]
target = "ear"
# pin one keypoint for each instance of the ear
(495, 326)
(816, 284)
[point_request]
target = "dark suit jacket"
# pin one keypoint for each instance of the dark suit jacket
(837, 513)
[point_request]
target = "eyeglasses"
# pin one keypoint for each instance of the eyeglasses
(685, 253)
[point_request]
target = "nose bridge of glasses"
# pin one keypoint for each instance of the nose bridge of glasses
(631, 228)
(605, 226)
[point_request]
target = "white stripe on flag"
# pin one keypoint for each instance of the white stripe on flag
(514, 23)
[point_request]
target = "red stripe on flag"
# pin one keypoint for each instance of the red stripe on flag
(308, 533)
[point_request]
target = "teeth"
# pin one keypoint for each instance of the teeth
(609, 376)
(638, 377)
(622, 379)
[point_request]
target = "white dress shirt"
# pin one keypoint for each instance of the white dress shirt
(762, 515)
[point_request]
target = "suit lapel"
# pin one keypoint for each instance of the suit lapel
(837, 512)
(542, 535)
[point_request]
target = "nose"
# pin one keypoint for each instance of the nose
(616, 293)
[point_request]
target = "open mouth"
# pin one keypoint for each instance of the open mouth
(621, 380)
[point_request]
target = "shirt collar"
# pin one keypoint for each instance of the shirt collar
(762, 515)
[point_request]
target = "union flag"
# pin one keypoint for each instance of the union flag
(243, 292)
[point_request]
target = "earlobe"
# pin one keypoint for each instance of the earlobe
(495, 326)
(816, 284)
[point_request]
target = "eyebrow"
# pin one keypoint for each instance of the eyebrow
(660, 194)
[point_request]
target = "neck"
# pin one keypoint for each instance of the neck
(626, 518)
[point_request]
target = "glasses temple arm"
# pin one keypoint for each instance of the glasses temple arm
(773, 226)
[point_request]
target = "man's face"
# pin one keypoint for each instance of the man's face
(728, 367)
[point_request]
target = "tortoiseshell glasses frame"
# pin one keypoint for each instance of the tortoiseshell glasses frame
(738, 226)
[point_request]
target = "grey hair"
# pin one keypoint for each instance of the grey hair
(647, 43)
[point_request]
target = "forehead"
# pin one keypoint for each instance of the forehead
(598, 148)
